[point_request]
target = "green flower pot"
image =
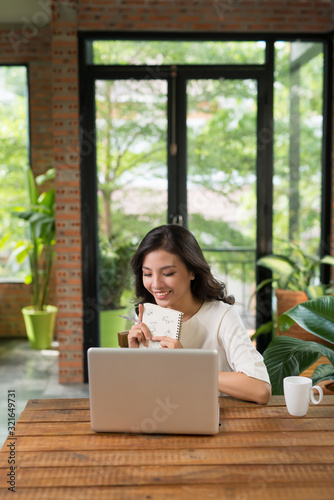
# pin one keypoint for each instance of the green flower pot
(110, 325)
(40, 326)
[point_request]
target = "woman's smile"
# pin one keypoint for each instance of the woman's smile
(161, 295)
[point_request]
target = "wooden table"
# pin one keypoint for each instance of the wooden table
(261, 453)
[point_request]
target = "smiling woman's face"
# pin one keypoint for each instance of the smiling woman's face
(166, 277)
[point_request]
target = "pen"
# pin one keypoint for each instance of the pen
(134, 320)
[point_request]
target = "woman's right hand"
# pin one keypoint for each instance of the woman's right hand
(139, 332)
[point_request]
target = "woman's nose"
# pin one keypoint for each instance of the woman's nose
(156, 281)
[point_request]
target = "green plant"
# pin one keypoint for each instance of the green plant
(291, 356)
(38, 247)
(114, 272)
(295, 270)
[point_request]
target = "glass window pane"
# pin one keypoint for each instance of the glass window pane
(298, 108)
(221, 142)
(139, 52)
(14, 138)
(131, 123)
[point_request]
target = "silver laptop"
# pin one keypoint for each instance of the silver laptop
(153, 391)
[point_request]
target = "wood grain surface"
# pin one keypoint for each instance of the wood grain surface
(260, 452)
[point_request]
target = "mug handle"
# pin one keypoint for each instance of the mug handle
(321, 394)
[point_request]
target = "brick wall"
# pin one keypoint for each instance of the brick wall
(51, 52)
(206, 15)
(65, 102)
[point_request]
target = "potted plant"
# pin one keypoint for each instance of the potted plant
(294, 275)
(114, 279)
(287, 356)
(38, 248)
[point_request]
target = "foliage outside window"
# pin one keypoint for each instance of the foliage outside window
(222, 155)
(155, 52)
(14, 138)
(131, 156)
(298, 120)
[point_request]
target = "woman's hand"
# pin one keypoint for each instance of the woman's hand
(139, 332)
(167, 342)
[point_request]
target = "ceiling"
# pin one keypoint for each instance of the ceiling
(25, 12)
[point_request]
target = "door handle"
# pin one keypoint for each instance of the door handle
(177, 219)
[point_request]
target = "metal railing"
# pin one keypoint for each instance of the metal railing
(235, 266)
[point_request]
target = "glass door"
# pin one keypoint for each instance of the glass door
(145, 173)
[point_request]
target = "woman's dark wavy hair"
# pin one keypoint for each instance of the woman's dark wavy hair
(179, 241)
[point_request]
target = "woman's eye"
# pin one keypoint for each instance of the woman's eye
(147, 275)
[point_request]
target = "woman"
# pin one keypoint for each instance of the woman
(171, 271)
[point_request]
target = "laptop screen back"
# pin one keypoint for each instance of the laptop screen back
(153, 391)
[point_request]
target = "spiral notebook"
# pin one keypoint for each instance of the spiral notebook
(161, 321)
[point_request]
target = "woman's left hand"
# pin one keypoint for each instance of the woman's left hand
(167, 342)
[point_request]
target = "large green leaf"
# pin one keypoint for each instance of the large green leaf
(47, 199)
(49, 175)
(316, 316)
(323, 372)
(277, 263)
(283, 268)
(4, 240)
(328, 259)
(31, 186)
(43, 226)
(314, 291)
(21, 251)
(287, 356)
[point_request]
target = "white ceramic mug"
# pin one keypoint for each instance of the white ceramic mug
(298, 392)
